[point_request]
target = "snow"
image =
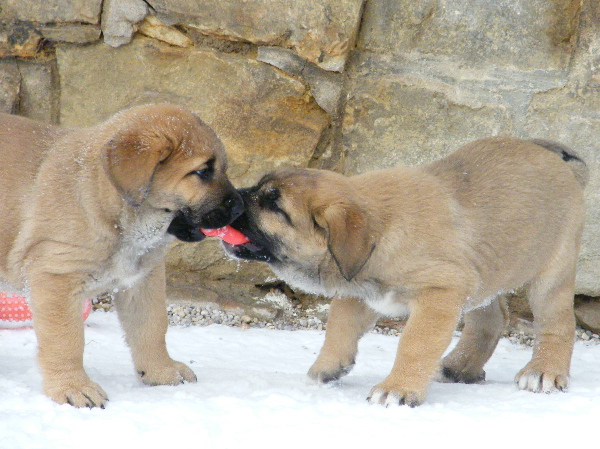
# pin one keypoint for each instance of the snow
(252, 391)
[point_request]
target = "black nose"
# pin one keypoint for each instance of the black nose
(235, 204)
(231, 208)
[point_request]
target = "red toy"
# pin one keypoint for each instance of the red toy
(15, 311)
(228, 234)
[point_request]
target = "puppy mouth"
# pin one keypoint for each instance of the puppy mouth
(249, 251)
(187, 224)
(241, 243)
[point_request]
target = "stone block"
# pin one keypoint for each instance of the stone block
(38, 97)
(51, 11)
(119, 19)
(523, 34)
(10, 84)
(73, 33)
(322, 32)
(400, 117)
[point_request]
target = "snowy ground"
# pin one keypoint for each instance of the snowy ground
(251, 391)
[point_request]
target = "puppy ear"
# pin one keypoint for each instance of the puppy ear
(130, 159)
(348, 236)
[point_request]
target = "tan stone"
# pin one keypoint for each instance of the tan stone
(74, 33)
(21, 39)
(50, 11)
(38, 98)
(388, 122)
(151, 26)
(10, 81)
(587, 312)
(522, 34)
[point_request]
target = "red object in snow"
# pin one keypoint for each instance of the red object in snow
(228, 234)
(14, 310)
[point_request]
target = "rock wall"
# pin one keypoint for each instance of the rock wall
(348, 85)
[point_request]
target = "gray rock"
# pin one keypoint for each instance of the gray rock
(326, 87)
(53, 11)
(74, 33)
(521, 34)
(321, 32)
(119, 18)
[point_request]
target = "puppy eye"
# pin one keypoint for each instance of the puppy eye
(206, 173)
(268, 200)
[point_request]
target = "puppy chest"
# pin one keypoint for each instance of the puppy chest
(125, 269)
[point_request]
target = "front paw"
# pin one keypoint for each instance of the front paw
(326, 371)
(395, 393)
(174, 373)
(537, 379)
(75, 389)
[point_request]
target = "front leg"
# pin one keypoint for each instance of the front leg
(427, 334)
(143, 315)
(58, 324)
(349, 319)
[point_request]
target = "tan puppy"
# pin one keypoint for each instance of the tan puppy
(90, 210)
(438, 240)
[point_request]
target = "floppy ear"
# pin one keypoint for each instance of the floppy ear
(348, 236)
(130, 160)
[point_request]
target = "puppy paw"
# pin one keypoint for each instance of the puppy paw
(75, 389)
(388, 393)
(174, 373)
(450, 375)
(544, 381)
(326, 370)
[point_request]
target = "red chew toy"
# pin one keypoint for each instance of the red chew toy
(228, 234)
(14, 310)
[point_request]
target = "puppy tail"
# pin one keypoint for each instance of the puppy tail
(579, 167)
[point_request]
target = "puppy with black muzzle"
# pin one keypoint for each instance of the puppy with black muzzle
(436, 242)
(91, 210)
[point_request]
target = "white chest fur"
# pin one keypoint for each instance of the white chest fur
(137, 254)
(389, 305)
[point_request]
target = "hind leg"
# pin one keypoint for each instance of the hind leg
(482, 330)
(551, 301)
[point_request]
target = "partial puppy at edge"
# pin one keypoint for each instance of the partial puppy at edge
(438, 242)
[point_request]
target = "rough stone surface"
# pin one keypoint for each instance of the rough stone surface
(10, 80)
(38, 97)
(50, 11)
(587, 313)
(151, 26)
(21, 39)
(322, 32)
(325, 86)
(120, 18)
(393, 118)
(74, 33)
(524, 34)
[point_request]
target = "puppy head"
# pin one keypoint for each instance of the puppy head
(165, 158)
(303, 220)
